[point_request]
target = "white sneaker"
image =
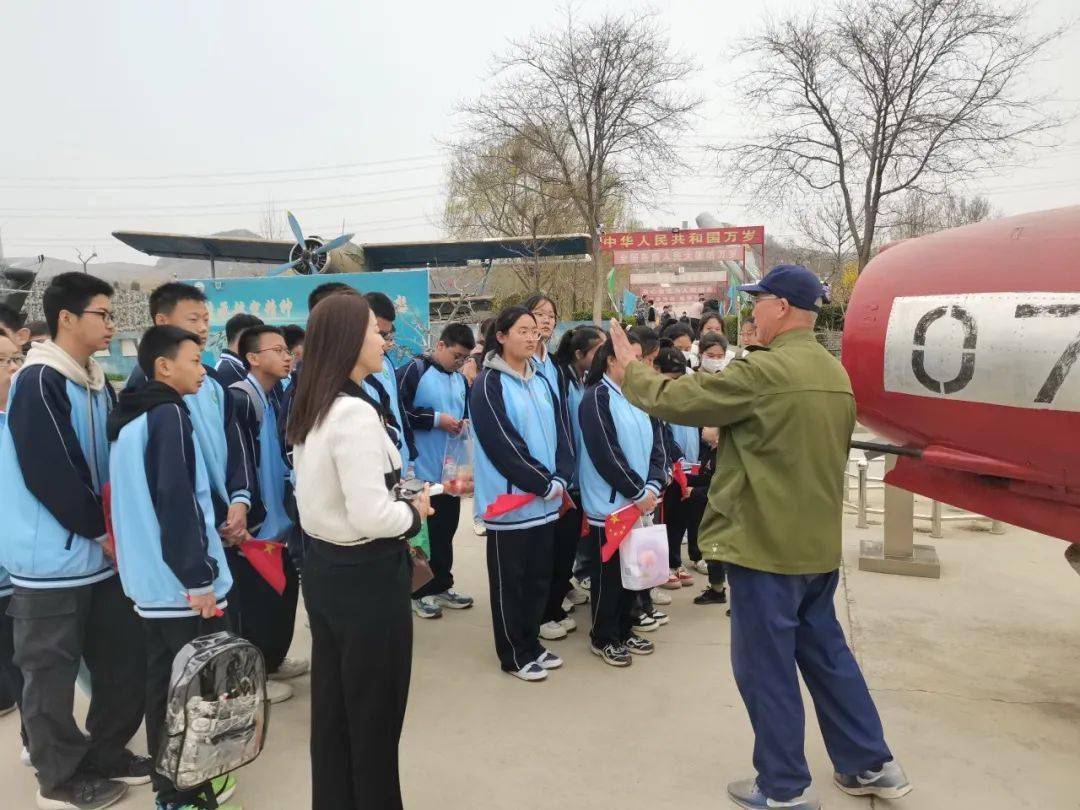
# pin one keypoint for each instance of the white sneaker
(531, 672)
(290, 668)
(478, 527)
(700, 566)
(278, 692)
(552, 631)
(568, 624)
(24, 757)
(549, 660)
(577, 596)
(660, 596)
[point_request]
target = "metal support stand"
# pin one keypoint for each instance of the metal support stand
(898, 554)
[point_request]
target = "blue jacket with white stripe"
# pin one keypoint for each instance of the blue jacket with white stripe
(256, 415)
(54, 463)
(163, 515)
(519, 444)
(5, 580)
(387, 380)
(621, 452)
(427, 390)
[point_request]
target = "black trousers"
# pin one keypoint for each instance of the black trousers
(361, 661)
(716, 573)
(519, 575)
(53, 630)
(259, 614)
(567, 535)
(164, 639)
(11, 679)
(676, 520)
(695, 507)
(441, 529)
(612, 605)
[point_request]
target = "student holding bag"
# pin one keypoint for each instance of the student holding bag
(357, 573)
(521, 449)
(623, 464)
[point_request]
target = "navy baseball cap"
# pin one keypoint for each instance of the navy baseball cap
(794, 282)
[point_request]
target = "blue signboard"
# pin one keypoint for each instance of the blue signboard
(282, 300)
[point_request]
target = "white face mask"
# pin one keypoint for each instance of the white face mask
(712, 365)
(686, 354)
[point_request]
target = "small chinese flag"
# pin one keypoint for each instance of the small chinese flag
(567, 503)
(507, 503)
(678, 475)
(616, 528)
(265, 558)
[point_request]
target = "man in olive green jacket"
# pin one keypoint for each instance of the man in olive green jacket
(786, 414)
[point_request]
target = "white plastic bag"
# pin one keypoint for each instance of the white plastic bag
(643, 557)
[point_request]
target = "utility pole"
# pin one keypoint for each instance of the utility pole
(87, 260)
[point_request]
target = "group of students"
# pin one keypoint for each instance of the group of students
(195, 461)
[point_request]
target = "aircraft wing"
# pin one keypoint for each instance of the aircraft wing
(228, 248)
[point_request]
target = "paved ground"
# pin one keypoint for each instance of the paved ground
(976, 677)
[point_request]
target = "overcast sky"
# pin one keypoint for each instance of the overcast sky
(189, 117)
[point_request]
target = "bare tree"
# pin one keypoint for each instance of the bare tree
(825, 231)
(916, 214)
(602, 101)
(271, 225)
(878, 97)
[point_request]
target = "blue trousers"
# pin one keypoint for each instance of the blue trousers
(779, 623)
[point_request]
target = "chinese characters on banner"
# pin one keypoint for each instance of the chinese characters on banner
(704, 237)
(728, 253)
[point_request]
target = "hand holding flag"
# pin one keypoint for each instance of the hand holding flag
(616, 529)
(265, 558)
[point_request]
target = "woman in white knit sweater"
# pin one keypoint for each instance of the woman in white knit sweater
(357, 573)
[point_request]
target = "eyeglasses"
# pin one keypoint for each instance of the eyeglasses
(389, 334)
(12, 359)
(529, 334)
(281, 350)
(759, 298)
(106, 315)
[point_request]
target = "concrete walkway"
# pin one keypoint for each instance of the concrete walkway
(977, 677)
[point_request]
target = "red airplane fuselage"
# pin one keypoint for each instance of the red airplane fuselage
(966, 345)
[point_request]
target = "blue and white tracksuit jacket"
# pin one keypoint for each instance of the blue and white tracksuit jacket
(387, 380)
(230, 368)
(220, 441)
(621, 452)
(262, 456)
(687, 443)
(519, 444)
(54, 463)
(5, 580)
(426, 391)
(571, 392)
(167, 545)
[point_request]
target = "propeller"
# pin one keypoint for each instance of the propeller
(309, 252)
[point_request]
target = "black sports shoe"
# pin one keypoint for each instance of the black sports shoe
(711, 597)
(614, 654)
(131, 770)
(639, 646)
(82, 793)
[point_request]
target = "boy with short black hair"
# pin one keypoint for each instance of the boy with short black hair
(434, 400)
(385, 385)
(171, 559)
(12, 325)
(67, 603)
(264, 617)
(230, 365)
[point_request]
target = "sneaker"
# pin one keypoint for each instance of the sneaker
(224, 787)
(426, 609)
(577, 596)
(278, 692)
(660, 617)
(24, 757)
(131, 770)
(711, 597)
(746, 793)
(660, 597)
(549, 660)
(614, 654)
(290, 668)
(700, 566)
(645, 623)
(888, 783)
(531, 672)
(585, 583)
(639, 646)
(200, 806)
(552, 631)
(478, 527)
(685, 577)
(452, 599)
(568, 624)
(673, 582)
(82, 793)
(6, 710)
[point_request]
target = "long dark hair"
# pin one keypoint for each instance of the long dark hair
(705, 318)
(503, 322)
(600, 360)
(336, 331)
(578, 339)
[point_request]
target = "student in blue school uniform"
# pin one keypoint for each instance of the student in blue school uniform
(67, 603)
(623, 464)
(520, 448)
(572, 361)
(434, 402)
(230, 365)
(172, 564)
(384, 383)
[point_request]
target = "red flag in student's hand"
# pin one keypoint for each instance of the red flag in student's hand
(616, 528)
(567, 503)
(265, 558)
(678, 474)
(507, 503)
